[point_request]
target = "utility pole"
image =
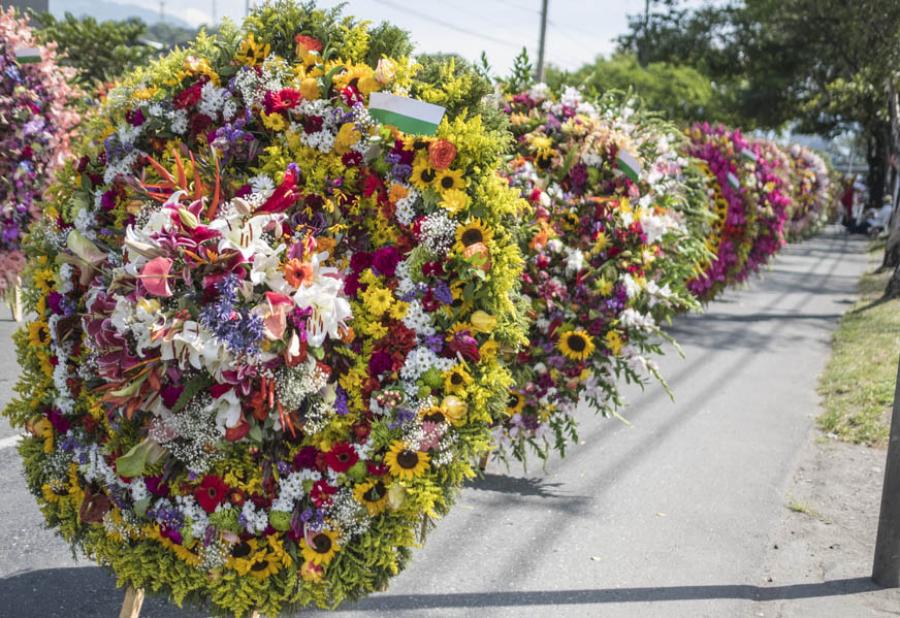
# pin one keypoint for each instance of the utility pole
(213, 12)
(162, 10)
(886, 567)
(246, 8)
(539, 71)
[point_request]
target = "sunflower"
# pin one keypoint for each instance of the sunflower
(373, 495)
(267, 564)
(456, 380)
(471, 233)
(423, 174)
(405, 463)
(459, 305)
(450, 180)
(515, 403)
(243, 556)
(576, 344)
(321, 548)
(252, 53)
(433, 414)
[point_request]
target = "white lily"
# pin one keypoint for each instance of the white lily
(324, 295)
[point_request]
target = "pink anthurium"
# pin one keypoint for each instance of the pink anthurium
(155, 277)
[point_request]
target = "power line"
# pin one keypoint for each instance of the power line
(446, 24)
(518, 6)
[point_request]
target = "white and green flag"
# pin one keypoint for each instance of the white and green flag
(733, 180)
(749, 154)
(28, 55)
(628, 164)
(408, 115)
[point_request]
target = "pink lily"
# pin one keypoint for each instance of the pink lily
(155, 277)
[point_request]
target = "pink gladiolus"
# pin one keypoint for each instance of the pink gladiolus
(155, 277)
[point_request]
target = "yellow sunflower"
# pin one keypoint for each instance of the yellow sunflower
(456, 380)
(423, 174)
(373, 495)
(252, 53)
(515, 403)
(405, 463)
(576, 344)
(471, 233)
(433, 414)
(243, 556)
(267, 564)
(450, 180)
(321, 549)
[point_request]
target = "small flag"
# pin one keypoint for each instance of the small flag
(733, 180)
(408, 115)
(748, 154)
(628, 164)
(28, 55)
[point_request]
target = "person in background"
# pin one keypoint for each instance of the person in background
(847, 199)
(878, 220)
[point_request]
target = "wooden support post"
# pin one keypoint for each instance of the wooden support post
(886, 567)
(131, 607)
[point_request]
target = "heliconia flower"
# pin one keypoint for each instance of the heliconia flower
(155, 277)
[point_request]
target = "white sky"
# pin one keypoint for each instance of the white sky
(577, 32)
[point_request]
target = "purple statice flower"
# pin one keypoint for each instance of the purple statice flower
(435, 343)
(340, 402)
(402, 416)
(442, 293)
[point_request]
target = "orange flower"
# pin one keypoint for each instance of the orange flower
(323, 243)
(308, 43)
(441, 154)
(296, 273)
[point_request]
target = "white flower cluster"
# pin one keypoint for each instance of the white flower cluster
(420, 360)
(255, 520)
(406, 207)
(418, 319)
(290, 489)
(437, 232)
(194, 514)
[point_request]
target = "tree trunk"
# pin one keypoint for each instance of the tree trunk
(892, 246)
(893, 287)
(876, 157)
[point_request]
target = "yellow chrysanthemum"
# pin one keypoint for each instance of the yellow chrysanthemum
(576, 344)
(456, 380)
(377, 300)
(275, 122)
(404, 463)
(604, 287)
(346, 137)
(449, 180)
(321, 548)
(471, 233)
(373, 495)
(454, 201)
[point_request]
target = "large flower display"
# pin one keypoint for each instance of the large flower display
(268, 325)
(34, 135)
(811, 192)
(608, 255)
(731, 162)
(771, 194)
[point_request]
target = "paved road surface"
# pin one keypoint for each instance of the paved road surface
(671, 516)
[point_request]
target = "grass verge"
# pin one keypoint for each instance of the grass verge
(857, 387)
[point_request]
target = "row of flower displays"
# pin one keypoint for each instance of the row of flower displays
(281, 303)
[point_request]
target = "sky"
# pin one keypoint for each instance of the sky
(577, 32)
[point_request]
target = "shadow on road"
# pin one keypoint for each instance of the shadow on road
(90, 591)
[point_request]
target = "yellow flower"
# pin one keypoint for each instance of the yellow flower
(515, 404)
(309, 88)
(600, 243)
(423, 174)
(377, 300)
(454, 409)
(143, 94)
(373, 495)
(454, 200)
(321, 549)
(482, 321)
(199, 66)
(449, 180)
(243, 556)
(252, 53)
(404, 463)
(267, 564)
(489, 350)
(614, 342)
(456, 380)
(576, 344)
(472, 232)
(274, 122)
(604, 287)
(347, 136)
(541, 145)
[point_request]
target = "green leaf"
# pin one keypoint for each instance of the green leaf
(194, 386)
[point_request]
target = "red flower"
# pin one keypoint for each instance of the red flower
(285, 195)
(341, 457)
(321, 493)
(189, 96)
(211, 492)
(283, 100)
(308, 43)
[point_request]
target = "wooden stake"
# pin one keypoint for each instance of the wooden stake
(131, 607)
(886, 567)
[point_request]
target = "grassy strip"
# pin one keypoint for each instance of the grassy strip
(857, 387)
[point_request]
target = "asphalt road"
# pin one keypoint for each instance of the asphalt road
(670, 516)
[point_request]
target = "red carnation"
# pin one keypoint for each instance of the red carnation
(341, 457)
(211, 492)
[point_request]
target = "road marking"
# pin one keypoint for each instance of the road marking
(8, 442)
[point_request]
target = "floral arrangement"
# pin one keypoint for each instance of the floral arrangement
(730, 160)
(811, 192)
(35, 98)
(608, 254)
(772, 196)
(268, 326)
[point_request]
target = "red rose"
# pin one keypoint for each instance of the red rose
(341, 457)
(211, 492)
(189, 96)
